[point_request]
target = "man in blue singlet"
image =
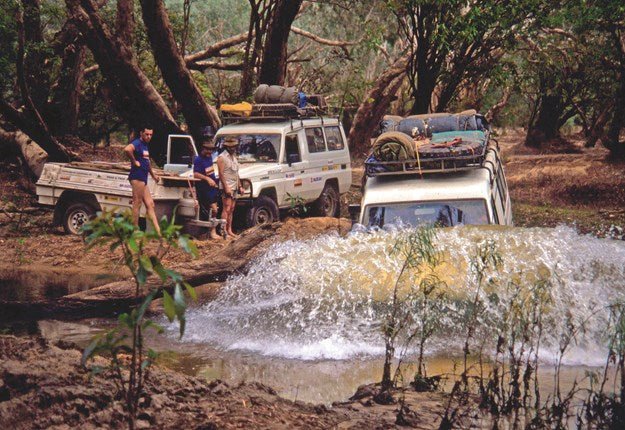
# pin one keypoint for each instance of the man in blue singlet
(140, 167)
(207, 187)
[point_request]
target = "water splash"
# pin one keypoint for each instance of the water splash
(325, 298)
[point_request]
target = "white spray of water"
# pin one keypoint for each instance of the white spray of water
(326, 298)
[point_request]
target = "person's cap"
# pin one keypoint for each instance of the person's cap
(231, 141)
(208, 144)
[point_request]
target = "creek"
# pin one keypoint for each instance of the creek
(306, 316)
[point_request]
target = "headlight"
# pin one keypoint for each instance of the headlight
(247, 187)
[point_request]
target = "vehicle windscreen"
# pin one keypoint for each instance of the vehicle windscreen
(255, 147)
(439, 214)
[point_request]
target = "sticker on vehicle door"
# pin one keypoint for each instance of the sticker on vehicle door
(290, 175)
(316, 179)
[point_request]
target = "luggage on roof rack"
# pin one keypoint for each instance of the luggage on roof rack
(276, 103)
(272, 112)
(397, 153)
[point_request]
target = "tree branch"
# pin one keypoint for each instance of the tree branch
(216, 48)
(218, 65)
(340, 43)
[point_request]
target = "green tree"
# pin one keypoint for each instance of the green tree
(455, 42)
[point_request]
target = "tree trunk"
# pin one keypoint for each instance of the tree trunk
(34, 155)
(274, 56)
(375, 105)
(134, 96)
(546, 125)
(36, 76)
(55, 150)
(174, 70)
(65, 104)
(125, 21)
(425, 84)
(612, 141)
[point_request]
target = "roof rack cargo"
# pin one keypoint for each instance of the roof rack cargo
(272, 112)
(423, 165)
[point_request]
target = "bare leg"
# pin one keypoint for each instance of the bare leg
(230, 216)
(149, 207)
(213, 233)
(228, 206)
(138, 190)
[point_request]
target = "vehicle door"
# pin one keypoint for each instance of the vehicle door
(180, 153)
(294, 168)
(339, 163)
(318, 162)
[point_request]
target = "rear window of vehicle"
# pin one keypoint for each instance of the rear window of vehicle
(439, 214)
(334, 139)
(315, 140)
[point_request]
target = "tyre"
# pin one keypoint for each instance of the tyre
(328, 203)
(263, 211)
(75, 216)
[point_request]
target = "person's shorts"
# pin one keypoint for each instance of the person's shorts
(207, 195)
(138, 175)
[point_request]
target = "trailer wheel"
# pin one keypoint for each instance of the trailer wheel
(263, 211)
(75, 216)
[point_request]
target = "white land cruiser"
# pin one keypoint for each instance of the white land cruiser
(450, 191)
(289, 161)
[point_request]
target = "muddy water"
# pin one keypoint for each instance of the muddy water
(315, 381)
(306, 316)
(25, 283)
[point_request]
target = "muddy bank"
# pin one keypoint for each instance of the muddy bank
(97, 297)
(43, 386)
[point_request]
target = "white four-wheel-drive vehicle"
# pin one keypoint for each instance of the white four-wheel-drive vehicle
(286, 161)
(455, 178)
(283, 162)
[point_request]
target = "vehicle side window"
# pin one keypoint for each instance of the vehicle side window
(315, 140)
(494, 206)
(501, 183)
(498, 206)
(181, 150)
(334, 139)
(291, 146)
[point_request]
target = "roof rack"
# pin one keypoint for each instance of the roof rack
(272, 112)
(422, 165)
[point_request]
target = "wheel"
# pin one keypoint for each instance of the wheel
(328, 203)
(76, 215)
(263, 211)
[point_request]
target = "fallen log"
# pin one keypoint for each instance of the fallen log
(34, 155)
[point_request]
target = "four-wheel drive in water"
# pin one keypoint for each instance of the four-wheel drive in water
(287, 158)
(441, 169)
(78, 190)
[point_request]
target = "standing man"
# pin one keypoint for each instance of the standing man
(207, 187)
(229, 180)
(140, 167)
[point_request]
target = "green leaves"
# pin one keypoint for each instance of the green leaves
(142, 254)
(176, 306)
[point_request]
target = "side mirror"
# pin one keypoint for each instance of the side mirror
(292, 158)
(354, 212)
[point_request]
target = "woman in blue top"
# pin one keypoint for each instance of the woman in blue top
(140, 167)
(207, 187)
